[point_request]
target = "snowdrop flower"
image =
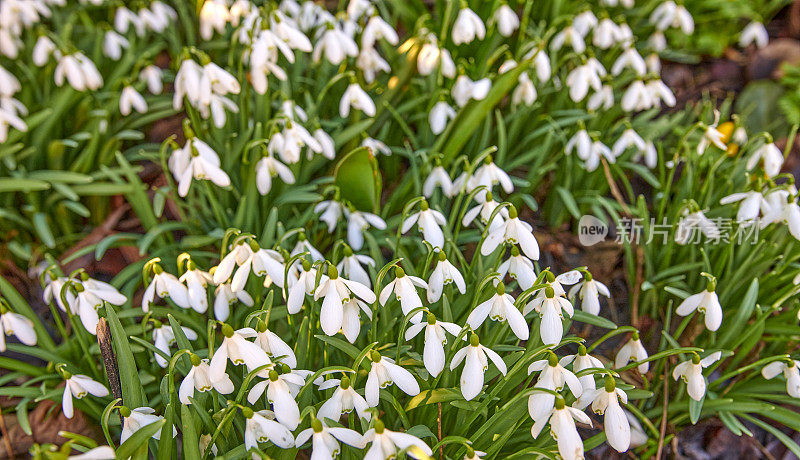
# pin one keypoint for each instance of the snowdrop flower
(580, 362)
(782, 206)
(135, 419)
(562, 428)
(267, 168)
(324, 439)
(164, 336)
(404, 288)
(351, 318)
(630, 58)
(755, 32)
(518, 267)
(165, 285)
(691, 221)
(357, 98)
(506, 19)
(196, 282)
(598, 150)
(668, 14)
(235, 347)
(691, 371)
(551, 309)
(475, 366)
(484, 211)
(303, 245)
(327, 147)
(769, 157)
(500, 307)
(357, 8)
(357, 223)
(751, 203)
(525, 92)
(633, 350)
(602, 99)
(198, 379)
(78, 71)
(439, 115)
(443, 274)
(553, 377)
(330, 213)
(130, 99)
(659, 92)
(376, 146)
(371, 63)
(196, 160)
(113, 44)
(707, 303)
(125, 18)
(302, 286)
(790, 372)
(589, 291)
(605, 34)
(98, 453)
(248, 256)
(636, 97)
(513, 231)
(334, 291)
(465, 89)
(225, 297)
(606, 401)
(214, 16)
(467, 27)
(280, 395)
(274, 346)
(343, 401)
(541, 63)
(581, 143)
(628, 138)
(261, 427)
(489, 174)
(438, 178)
(385, 372)
(433, 355)
(375, 29)
(581, 79)
(17, 325)
(430, 56)
(429, 223)
(42, 50)
(584, 22)
(569, 36)
(336, 45)
(387, 443)
(79, 385)
(152, 76)
(351, 266)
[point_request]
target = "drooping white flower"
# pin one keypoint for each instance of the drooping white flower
(357, 98)
(17, 325)
(518, 267)
(225, 297)
(579, 142)
(351, 319)
(198, 379)
(239, 350)
(42, 50)
(489, 174)
(484, 211)
(500, 307)
(336, 45)
(769, 157)
(465, 89)
(597, 151)
(467, 27)
(343, 400)
(439, 115)
(196, 160)
(562, 428)
(606, 401)
(431, 56)
(357, 223)
(404, 289)
(135, 419)
(707, 303)
(214, 16)
(281, 396)
(580, 362)
(630, 58)
(303, 245)
(633, 350)
(196, 282)
(302, 286)
(371, 63)
(476, 363)
(325, 440)
(164, 336)
(636, 97)
(113, 44)
(584, 77)
(330, 213)
(376, 146)
(433, 355)
(525, 92)
(335, 291)
(387, 443)
(276, 348)
(584, 22)
(551, 309)
(351, 266)
(506, 19)
(668, 14)
(553, 376)
(589, 291)
(385, 372)
(691, 371)
(695, 221)
(605, 33)
(376, 29)
(569, 35)
(261, 427)
(78, 71)
(79, 385)
(790, 371)
(98, 453)
(443, 274)
(513, 231)
(429, 223)
(756, 33)
(628, 138)
(601, 99)
(165, 285)
(438, 178)
(267, 168)
(131, 99)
